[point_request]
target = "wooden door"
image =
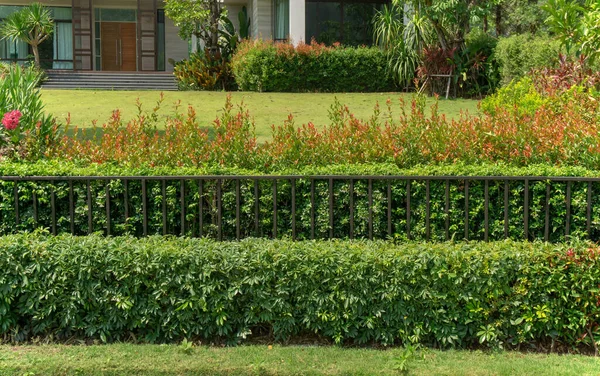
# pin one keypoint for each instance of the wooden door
(119, 49)
(110, 46)
(128, 47)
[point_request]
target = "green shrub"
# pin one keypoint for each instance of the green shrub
(520, 95)
(518, 55)
(269, 67)
(36, 130)
(202, 71)
(162, 290)
(304, 210)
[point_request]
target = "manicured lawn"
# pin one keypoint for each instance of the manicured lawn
(260, 360)
(267, 108)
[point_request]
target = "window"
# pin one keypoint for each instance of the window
(281, 11)
(160, 42)
(347, 22)
(56, 52)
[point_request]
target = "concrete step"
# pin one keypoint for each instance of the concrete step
(110, 81)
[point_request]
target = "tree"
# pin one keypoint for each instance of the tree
(198, 18)
(33, 25)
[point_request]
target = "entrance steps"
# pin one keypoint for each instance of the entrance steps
(110, 80)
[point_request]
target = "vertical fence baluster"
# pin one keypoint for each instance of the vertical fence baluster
(219, 210)
(89, 203)
(274, 208)
(447, 210)
(408, 209)
(183, 211)
(330, 208)
(107, 191)
(53, 208)
(200, 207)
(506, 209)
(312, 209)
(588, 227)
(71, 207)
(526, 211)
(427, 210)
(35, 208)
(466, 209)
(486, 213)
(237, 210)
(144, 208)
(164, 206)
(389, 209)
(16, 195)
(256, 208)
(371, 209)
(568, 202)
(547, 214)
(293, 182)
(126, 199)
(351, 208)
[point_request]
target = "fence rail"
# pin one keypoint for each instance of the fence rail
(306, 207)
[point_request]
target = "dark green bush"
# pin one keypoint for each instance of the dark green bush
(162, 290)
(269, 67)
(518, 55)
(341, 203)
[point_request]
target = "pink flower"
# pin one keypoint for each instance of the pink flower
(11, 119)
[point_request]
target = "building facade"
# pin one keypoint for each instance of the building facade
(135, 35)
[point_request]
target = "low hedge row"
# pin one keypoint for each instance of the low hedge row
(164, 289)
(271, 67)
(41, 214)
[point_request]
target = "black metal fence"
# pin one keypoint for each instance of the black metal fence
(300, 207)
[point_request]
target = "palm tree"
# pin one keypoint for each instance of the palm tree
(33, 25)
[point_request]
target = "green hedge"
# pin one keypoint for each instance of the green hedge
(133, 224)
(160, 289)
(519, 54)
(267, 67)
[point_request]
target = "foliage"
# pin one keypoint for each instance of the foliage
(204, 71)
(521, 96)
(576, 25)
(514, 17)
(130, 220)
(33, 24)
(267, 66)
(569, 73)
(198, 18)
(35, 131)
(563, 131)
(516, 61)
(162, 290)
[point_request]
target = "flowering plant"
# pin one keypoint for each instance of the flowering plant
(11, 119)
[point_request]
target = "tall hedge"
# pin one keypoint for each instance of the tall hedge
(162, 290)
(269, 67)
(519, 54)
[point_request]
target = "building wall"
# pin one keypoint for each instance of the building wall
(175, 47)
(262, 19)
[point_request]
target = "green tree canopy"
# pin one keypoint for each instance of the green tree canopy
(33, 25)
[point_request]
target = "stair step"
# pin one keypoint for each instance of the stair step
(110, 81)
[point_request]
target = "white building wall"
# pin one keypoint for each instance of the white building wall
(175, 47)
(297, 21)
(262, 19)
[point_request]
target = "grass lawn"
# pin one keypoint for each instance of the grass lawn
(260, 360)
(267, 108)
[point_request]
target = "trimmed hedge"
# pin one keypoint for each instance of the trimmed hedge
(162, 290)
(519, 54)
(134, 223)
(268, 67)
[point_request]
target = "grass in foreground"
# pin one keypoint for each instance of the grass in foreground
(261, 360)
(86, 106)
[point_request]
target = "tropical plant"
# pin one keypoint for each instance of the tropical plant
(576, 25)
(33, 24)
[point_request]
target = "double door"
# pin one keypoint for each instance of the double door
(119, 46)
